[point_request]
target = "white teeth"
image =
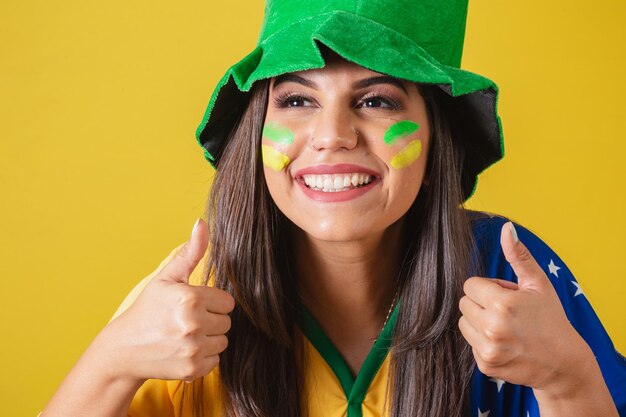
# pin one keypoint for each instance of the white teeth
(338, 182)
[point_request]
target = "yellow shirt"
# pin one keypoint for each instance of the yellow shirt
(331, 389)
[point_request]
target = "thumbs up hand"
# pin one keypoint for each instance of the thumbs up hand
(173, 330)
(519, 332)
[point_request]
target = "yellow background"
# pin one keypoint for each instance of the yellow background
(100, 174)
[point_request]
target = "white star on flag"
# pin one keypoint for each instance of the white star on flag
(579, 290)
(499, 382)
(554, 270)
(481, 414)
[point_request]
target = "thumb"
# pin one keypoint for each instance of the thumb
(187, 258)
(529, 273)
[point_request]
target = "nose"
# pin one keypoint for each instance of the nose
(334, 130)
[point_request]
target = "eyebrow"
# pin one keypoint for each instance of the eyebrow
(294, 79)
(364, 83)
(383, 79)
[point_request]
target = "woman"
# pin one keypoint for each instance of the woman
(338, 252)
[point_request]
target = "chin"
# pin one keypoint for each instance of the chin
(336, 230)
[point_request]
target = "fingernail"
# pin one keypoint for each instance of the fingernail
(514, 232)
(195, 227)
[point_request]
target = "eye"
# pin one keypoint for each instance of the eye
(292, 100)
(378, 102)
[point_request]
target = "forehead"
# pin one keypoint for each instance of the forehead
(336, 69)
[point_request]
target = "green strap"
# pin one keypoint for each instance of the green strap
(326, 349)
(354, 390)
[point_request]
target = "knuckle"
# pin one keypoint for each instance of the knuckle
(221, 343)
(198, 369)
(189, 328)
(491, 354)
(213, 361)
(505, 307)
(188, 299)
(183, 296)
(482, 366)
(189, 371)
(523, 254)
(216, 344)
(225, 323)
(230, 301)
(495, 330)
(463, 328)
(218, 324)
(468, 284)
(210, 363)
(485, 369)
(462, 302)
(190, 351)
(222, 298)
(492, 332)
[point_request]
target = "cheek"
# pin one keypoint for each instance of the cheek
(274, 158)
(400, 130)
(407, 155)
(406, 147)
(277, 133)
(275, 144)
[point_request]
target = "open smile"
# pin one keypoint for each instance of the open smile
(335, 183)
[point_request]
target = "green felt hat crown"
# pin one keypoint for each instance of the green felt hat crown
(416, 40)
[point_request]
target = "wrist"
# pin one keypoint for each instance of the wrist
(580, 392)
(107, 354)
(579, 370)
(96, 385)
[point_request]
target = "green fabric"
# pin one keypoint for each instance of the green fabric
(416, 40)
(438, 26)
(355, 389)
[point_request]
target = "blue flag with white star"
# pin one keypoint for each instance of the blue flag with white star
(496, 398)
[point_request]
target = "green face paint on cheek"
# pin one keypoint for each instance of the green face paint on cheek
(273, 158)
(407, 155)
(276, 133)
(400, 130)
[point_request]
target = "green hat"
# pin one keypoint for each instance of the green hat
(416, 40)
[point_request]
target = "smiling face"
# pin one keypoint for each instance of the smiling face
(344, 149)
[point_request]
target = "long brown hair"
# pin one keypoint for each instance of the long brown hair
(250, 257)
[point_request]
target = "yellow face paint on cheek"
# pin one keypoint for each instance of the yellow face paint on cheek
(407, 155)
(274, 159)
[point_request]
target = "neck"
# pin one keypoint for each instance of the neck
(349, 286)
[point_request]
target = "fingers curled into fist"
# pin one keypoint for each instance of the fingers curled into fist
(518, 331)
(175, 330)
